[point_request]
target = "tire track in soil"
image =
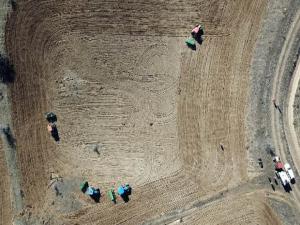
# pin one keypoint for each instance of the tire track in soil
(289, 118)
(40, 62)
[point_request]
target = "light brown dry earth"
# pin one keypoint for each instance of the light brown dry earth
(121, 81)
(296, 107)
(5, 201)
(249, 209)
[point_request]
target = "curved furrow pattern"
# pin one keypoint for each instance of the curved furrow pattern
(133, 104)
(253, 209)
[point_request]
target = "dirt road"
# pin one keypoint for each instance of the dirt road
(289, 118)
(282, 119)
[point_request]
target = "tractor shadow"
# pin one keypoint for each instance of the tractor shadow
(125, 196)
(96, 197)
(287, 188)
(198, 37)
(199, 40)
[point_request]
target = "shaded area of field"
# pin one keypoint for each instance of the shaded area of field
(121, 81)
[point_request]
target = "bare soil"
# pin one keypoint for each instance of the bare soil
(273, 66)
(296, 108)
(5, 200)
(135, 105)
(252, 208)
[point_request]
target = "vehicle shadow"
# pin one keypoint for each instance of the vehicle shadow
(287, 188)
(125, 196)
(199, 39)
(96, 197)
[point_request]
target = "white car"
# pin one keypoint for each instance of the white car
(283, 178)
(290, 172)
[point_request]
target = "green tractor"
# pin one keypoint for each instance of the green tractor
(191, 43)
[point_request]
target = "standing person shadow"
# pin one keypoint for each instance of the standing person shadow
(124, 191)
(96, 195)
(53, 131)
(55, 134)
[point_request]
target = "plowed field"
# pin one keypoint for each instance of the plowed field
(246, 212)
(134, 104)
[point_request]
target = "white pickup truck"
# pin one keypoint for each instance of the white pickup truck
(290, 172)
(283, 178)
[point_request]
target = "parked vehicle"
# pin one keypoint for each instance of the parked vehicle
(290, 173)
(285, 180)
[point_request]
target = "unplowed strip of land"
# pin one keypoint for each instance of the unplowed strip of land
(134, 104)
(5, 204)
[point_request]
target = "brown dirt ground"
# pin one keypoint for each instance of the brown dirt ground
(5, 202)
(109, 70)
(250, 209)
(296, 107)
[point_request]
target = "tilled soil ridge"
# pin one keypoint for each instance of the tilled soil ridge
(126, 85)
